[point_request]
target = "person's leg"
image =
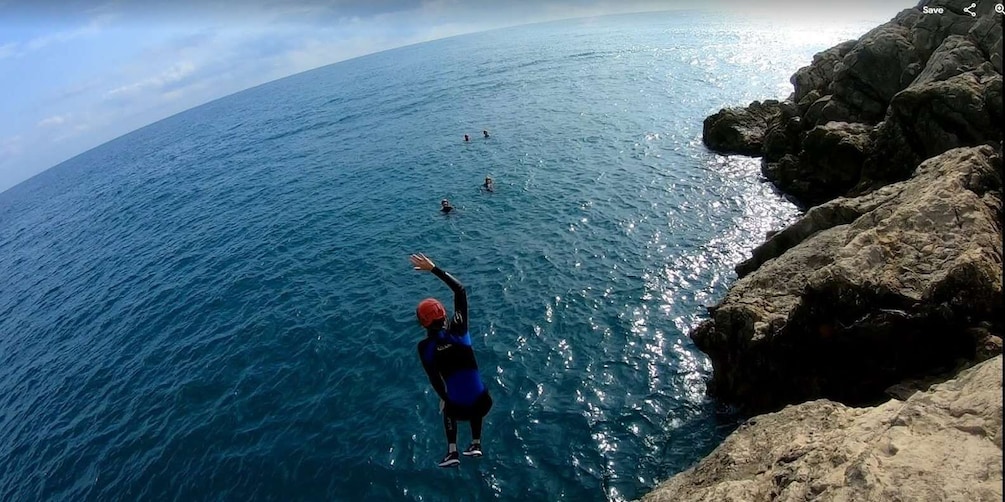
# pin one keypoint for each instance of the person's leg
(482, 407)
(450, 428)
(475, 448)
(476, 430)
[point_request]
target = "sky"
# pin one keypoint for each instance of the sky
(77, 73)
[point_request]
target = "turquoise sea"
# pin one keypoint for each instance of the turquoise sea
(219, 306)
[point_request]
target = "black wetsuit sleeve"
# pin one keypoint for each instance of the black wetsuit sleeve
(460, 322)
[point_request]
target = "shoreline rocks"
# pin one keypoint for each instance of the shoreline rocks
(865, 292)
(829, 165)
(890, 280)
(924, 84)
(929, 118)
(944, 443)
(739, 130)
(896, 260)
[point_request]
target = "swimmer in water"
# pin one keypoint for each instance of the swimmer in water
(489, 186)
(486, 133)
(445, 206)
(466, 138)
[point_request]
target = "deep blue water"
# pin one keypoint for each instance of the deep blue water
(219, 306)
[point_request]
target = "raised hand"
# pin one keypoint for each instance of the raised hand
(420, 262)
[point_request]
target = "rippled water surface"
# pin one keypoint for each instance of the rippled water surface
(219, 306)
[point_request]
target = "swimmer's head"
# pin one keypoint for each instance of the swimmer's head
(444, 202)
(429, 311)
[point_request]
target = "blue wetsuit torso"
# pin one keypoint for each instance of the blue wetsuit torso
(453, 360)
(447, 355)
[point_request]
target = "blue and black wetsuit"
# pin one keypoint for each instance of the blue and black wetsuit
(450, 364)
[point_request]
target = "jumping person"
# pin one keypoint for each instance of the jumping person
(449, 361)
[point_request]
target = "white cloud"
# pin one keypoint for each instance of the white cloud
(54, 120)
(10, 146)
(172, 75)
(7, 50)
(438, 6)
(92, 29)
(107, 9)
(61, 37)
(291, 12)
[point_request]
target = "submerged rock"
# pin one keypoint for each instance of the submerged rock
(941, 444)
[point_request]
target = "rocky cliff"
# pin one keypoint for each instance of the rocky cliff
(893, 144)
(944, 444)
(867, 111)
(863, 292)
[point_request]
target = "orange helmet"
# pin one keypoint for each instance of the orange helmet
(430, 310)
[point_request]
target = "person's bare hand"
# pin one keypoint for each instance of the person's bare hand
(420, 262)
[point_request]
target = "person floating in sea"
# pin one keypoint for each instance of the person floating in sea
(485, 133)
(445, 206)
(489, 186)
(449, 361)
(466, 138)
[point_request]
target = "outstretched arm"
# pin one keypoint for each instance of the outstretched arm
(421, 262)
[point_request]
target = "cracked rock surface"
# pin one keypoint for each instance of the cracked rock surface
(941, 444)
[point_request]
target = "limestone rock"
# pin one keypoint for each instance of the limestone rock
(820, 73)
(987, 35)
(882, 63)
(881, 288)
(804, 104)
(827, 109)
(927, 119)
(840, 211)
(956, 55)
(828, 165)
(941, 444)
(740, 130)
(783, 133)
(928, 82)
(930, 31)
(908, 18)
(849, 310)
